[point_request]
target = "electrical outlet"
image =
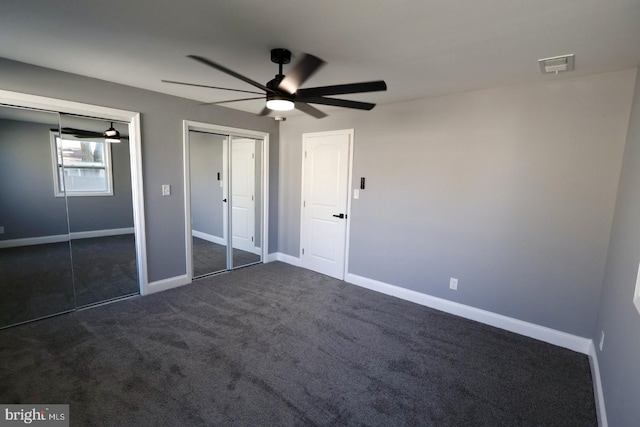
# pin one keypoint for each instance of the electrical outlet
(601, 341)
(453, 283)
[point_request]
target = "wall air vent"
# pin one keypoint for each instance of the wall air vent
(556, 64)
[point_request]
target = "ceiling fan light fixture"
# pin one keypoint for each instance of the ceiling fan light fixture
(280, 104)
(283, 92)
(111, 135)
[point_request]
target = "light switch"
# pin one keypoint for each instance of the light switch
(166, 190)
(356, 193)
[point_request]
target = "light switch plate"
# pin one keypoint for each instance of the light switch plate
(356, 193)
(166, 190)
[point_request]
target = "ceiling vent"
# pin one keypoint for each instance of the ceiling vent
(556, 64)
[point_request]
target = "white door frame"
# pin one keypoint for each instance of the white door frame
(351, 133)
(135, 157)
(188, 125)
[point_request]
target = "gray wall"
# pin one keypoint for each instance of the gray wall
(162, 117)
(28, 187)
(618, 317)
(28, 206)
(206, 194)
(511, 190)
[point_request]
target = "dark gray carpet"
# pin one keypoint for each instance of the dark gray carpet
(278, 345)
(104, 268)
(209, 257)
(36, 281)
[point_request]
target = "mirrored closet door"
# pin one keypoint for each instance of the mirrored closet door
(208, 202)
(36, 279)
(226, 201)
(94, 172)
(66, 214)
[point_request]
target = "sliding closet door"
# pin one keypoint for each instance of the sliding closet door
(246, 214)
(225, 204)
(209, 201)
(96, 176)
(35, 260)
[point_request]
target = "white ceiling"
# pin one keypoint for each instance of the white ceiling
(421, 48)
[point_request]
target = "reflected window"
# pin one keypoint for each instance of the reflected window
(83, 167)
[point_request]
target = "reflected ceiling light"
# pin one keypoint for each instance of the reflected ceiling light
(111, 135)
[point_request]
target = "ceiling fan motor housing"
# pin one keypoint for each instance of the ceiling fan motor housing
(273, 85)
(280, 56)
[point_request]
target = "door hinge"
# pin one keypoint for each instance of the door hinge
(305, 154)
(303, 251)
(304, 204)
(253, 156)
(252, 238)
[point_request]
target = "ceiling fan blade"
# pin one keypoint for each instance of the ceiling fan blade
(375, 86)
(84, 134)
(265, 112)
(210, 87)
(232, 100)
(304, 69)
(230, 72)
(96, 137)
(312, 111)
(339, 103)
(81, 133)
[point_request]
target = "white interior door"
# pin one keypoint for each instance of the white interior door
(243, 193)
(325, 201)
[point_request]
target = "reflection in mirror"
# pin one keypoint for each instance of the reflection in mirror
(35, 263)
(246, 215)
(96, 176)
(207, 169)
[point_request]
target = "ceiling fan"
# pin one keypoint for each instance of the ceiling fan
(109, 135)
(283, 92)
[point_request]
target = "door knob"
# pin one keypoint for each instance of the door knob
(340, 215)
(224, 200)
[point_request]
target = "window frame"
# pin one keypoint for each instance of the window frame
(57, 187)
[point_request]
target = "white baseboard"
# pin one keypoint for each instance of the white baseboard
(164, 284)
(279, 256)
(208, 237)
(29, 241)
(42, 240)
(220, 241)
(542, 333)
(597, 386)
(101, 233)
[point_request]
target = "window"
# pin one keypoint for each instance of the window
(81, 167)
